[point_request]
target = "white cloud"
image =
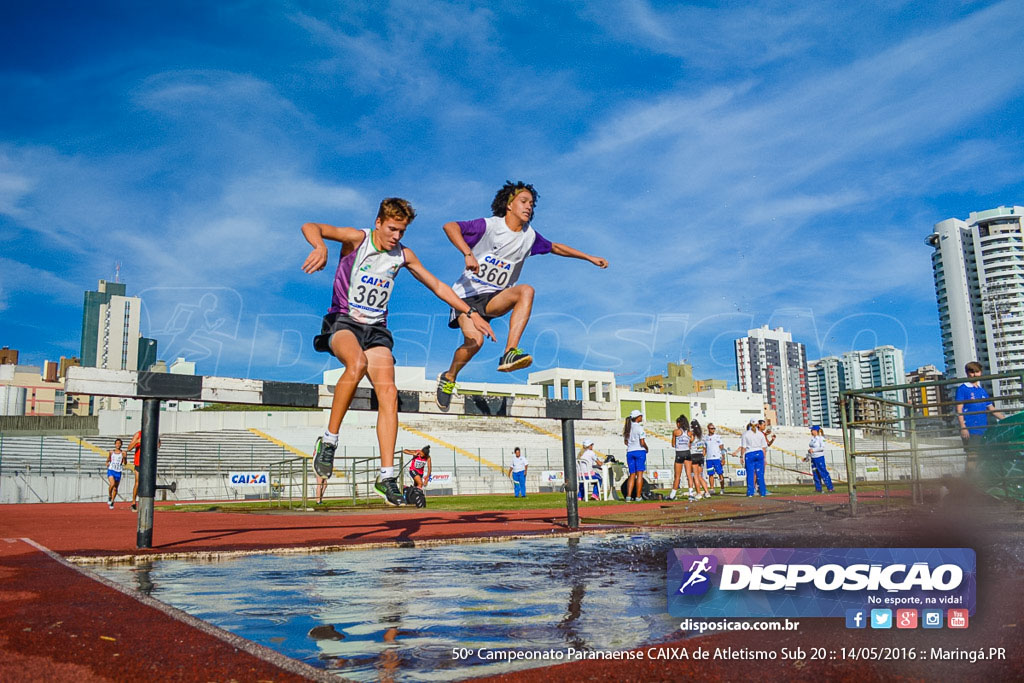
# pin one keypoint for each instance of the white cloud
(20, 278)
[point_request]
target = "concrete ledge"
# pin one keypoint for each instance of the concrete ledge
(129, 384)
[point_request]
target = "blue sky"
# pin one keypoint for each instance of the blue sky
(739, 164)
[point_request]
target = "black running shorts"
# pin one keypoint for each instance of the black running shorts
(478, 302)
(368, 336)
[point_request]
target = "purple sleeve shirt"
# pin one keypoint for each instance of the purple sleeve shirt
(540, 245)
(472, 231)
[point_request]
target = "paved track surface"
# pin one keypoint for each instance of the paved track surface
(62, 623)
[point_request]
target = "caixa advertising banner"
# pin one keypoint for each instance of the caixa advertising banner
(249, 481)
(817, 582)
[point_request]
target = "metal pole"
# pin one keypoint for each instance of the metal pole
(305, 480)
(915, 461)
(848, 447)
(147, 471)
(41, 454)
(569, 465)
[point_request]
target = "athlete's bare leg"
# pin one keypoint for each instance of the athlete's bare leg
(380, 369)
(519, 300)
(346, 347)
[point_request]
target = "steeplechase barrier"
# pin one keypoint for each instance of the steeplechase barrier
(153, 387)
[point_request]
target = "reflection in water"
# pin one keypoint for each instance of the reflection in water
(142, 578)
(396, 614)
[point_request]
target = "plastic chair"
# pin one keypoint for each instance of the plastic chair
(588, 478)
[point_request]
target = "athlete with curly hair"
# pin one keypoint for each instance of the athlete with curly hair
(495, 249)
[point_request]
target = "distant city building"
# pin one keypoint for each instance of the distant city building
(147, 353)
(110, 335)
(770, 363)
(878, 367)
(8, 356)
(928, 397)
(180, 366)
(110, 328)
(66, 363)
(978, 266)
(678, 380)
(700, 385)
(827, 377)
(28, 392)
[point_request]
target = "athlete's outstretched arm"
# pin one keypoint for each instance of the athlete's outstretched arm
(559, 249)
(454, 233)
(444, 292)
(316, 233)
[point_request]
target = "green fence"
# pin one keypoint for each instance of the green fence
(903, 442)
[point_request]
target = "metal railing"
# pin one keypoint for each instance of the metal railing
(901, 438)
(291, 480)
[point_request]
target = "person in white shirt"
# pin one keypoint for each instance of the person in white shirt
(495, 250)
(697, 449)
(517, 473)
(753, 444)
(636, 455)
(714, 457)
(589, 462)
(816, 454)
(681, 440)
(115, 466)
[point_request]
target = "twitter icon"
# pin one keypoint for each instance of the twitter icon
(881, 618)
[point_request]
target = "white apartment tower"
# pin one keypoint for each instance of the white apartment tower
(979, 283)
(825, 379)
(770, 363)
(878, 367)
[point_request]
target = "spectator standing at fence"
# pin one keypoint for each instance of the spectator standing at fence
(634, 436)
(752, 448)
(115, 466)
(517, 473)
(590, 462)
(714, 457)
(420, 466)
(681, 441)
(973, 406)
(816, 454)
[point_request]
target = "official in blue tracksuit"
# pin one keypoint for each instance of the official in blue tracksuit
(517, 473)
(816, 454)
(753, 445)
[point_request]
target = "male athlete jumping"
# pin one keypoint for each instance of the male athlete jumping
(495, 249)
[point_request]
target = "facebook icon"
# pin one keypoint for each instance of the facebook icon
(856, 618)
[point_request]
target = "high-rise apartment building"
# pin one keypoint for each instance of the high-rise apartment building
(927, 397)
(979, 283)
(855, 370)
(826, 377)
(770, 363)
(879, 367)
(110, 329)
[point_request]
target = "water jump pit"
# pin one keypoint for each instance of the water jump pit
(403, 612)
